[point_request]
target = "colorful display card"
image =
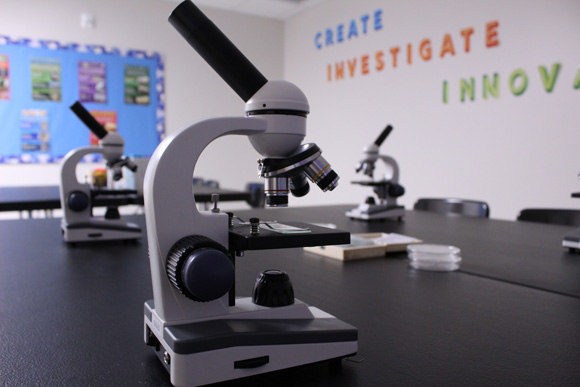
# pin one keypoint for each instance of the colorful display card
(92, 82)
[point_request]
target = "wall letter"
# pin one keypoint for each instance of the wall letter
(378, 19)
(339, 70)
(444, 91)
(576, 83)
(364, 62)
(491, 38)
(364, 18)
(340, 33)
(549, 80)
(490, 88)
(466, 33)
(352, 31)
(425, 49)
(329, 73)
(381, 63)
(467, 88)
(351, 66)
(317, 38)
(447, 46)
(409, 52)
(329, 41)
(394, 52)
(519, 90)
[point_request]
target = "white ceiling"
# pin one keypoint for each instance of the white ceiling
(274, 9)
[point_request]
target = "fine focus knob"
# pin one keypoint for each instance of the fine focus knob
(77, 201)
(200, 268)
(273, 288)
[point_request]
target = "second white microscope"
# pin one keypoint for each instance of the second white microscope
(387, 189)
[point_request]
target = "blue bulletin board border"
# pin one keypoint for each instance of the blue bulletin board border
(41, 79)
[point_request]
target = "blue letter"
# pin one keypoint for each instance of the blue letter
(340, 33)
(378, 19)
(317, 40)
(364, 18)
(329, 37)
(352, 31)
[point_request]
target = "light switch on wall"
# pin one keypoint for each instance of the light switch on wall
(88, 21)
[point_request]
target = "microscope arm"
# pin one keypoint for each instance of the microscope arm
(171, 213)
(394, 165)
(68, 180)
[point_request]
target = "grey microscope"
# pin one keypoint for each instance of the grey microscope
(201, 332)
(387, 189)
(78, 199)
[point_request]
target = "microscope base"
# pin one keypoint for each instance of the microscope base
(572, 240)
(99, 229)
(376, 212)
(239, 345)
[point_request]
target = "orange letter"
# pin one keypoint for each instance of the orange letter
(466, 33)
(364, 62)
(425, 49)
(380, 62)
(409, 59)
(491, 39)
(447, 46)
(329, 72)
(351, 66)
(339, 68)
(394, 52)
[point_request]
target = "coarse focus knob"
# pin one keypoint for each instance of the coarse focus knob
(273, 288)
(77, 201)
(200, 268)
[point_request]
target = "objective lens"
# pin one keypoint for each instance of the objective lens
(276, 190)
(299, 185)
(320, 172)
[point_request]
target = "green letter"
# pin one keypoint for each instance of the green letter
(549, 80)
(445, 91)
(491, 88)
(469, 88)
(515, 74)
(577, 80)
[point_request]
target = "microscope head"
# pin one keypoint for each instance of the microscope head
(111, 143)
(285, 107)
(286, 164)
(371, 154)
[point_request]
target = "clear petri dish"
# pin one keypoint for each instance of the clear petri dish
(434, 257)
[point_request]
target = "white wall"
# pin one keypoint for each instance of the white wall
(194, 90)
(512, 151)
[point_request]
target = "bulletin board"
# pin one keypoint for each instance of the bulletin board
(40, 80)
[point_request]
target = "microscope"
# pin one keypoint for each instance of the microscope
(201, 332)
(78, 199)
(387, 190)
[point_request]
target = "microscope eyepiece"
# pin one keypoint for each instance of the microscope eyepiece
(217, 50)
(90, 121)
(383, 135)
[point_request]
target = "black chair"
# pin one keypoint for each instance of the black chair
(550, 215)
(463, 207)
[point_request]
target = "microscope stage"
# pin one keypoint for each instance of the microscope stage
(241, 238)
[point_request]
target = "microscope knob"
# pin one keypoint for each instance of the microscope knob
(77, 201)
(200, 268)
(396, 190)
(273, 288)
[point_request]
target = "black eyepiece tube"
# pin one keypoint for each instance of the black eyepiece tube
(383, 135)
(88, 120)
(217, 50)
